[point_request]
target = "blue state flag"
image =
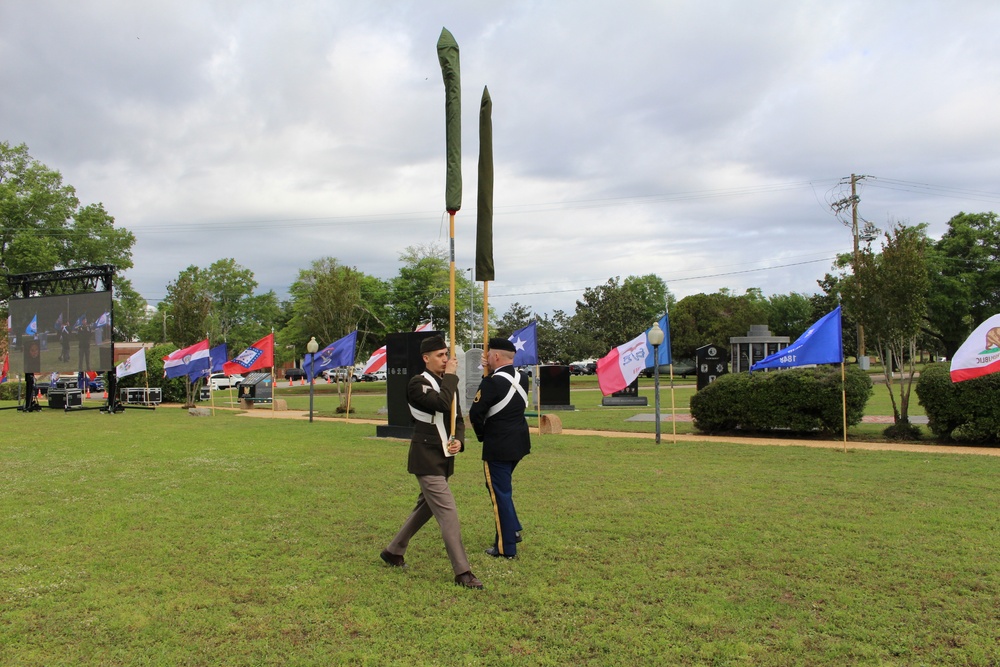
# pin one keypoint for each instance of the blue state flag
(218, 355)
(664, 351)
(822, 343)
(32, 327)
(336, 354)
(525, 345)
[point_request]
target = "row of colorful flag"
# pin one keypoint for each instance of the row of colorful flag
(822, 343)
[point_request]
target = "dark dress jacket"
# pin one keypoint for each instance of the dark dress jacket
(426, 451)
(505, 435)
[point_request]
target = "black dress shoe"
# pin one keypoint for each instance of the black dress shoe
(517, 537)
(392, 559)
(493, 551)
(468, 580)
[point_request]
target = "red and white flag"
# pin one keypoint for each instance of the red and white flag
(375, 362)
(979, 354)
(622, 365)
(5, 370)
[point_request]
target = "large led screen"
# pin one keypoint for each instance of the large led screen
(62, 334)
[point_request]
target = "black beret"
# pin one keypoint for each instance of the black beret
(432, 344)
(502, 344)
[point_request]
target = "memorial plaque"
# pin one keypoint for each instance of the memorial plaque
(553, 388)
(712, 364)
(627, 396)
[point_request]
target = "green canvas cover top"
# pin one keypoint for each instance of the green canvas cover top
(447, 49)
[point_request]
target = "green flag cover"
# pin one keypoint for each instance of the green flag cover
(484, 211)
(447, 49)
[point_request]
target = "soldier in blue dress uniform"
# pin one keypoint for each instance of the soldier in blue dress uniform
(497, 416)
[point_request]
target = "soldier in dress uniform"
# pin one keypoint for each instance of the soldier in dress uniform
(432, 458)
(497, 415)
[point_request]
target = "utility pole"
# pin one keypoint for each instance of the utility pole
(857, 255)
(838, 207)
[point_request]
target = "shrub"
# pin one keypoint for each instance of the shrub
(172, 391)
(798, 400)
(8, 390)
(965, 411)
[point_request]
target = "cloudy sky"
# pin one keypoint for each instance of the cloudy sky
(700, 141)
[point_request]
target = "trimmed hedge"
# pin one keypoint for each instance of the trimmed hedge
(172, 391)
(796, 400)
(963, 412)
(8, 390)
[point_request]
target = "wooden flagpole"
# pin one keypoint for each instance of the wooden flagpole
(486, 319)
(350, 382)
(208, 380)
(451, 312)
(843, 396)
(673, 404)
(274, 385)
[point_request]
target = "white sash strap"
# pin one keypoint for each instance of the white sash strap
(436, 418)
(515, 388)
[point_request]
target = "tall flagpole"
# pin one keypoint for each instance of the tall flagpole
(448, 58)
(486, 319)
(673, 404)
(208, 380)
(451, 312)
(843, 396)
(274, 385)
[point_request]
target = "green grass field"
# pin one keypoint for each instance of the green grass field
(157, 538)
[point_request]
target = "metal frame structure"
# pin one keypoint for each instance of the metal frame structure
(77, 280)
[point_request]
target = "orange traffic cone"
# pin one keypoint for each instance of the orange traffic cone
(303, 382)
(88, 393)
(105, 394)
(290, 383)
(39, 394)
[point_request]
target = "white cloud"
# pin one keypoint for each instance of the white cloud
(699, 142)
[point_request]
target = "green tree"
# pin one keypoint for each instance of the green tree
(888, 296)
(325, 303)
(43, 227)
(230, 287)
(964, 271)
(790, 314)
(187, 307)
(616, 312)
(702, 319)
(130, 311)
(422, 292)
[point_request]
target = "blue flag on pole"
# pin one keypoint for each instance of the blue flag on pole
(664, 351)
(525, 345)
(336, 354)
(32, 327)
(822, 343)
(218, 355)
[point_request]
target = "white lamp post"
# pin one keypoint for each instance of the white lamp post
(655, 338)
(312, 347)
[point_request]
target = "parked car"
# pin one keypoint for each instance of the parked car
(583, 368)
(682, 367)
(295, 374)
(377, 376)
(340, 375)
(223, 381)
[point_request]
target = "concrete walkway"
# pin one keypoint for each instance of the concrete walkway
(667, 438)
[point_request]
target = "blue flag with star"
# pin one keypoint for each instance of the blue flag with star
(525, 345)
(336, 354)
